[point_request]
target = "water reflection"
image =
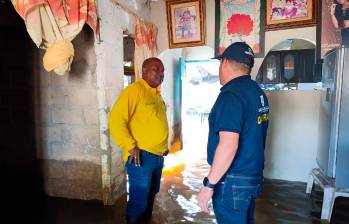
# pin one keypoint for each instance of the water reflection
(183, 174)
(282, 202)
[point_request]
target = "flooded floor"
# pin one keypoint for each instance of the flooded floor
(282, 202)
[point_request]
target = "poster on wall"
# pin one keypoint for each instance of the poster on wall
(237, 21)
(286, 14)
(333, 25)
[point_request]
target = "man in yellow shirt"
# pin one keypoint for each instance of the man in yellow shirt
(138, 124)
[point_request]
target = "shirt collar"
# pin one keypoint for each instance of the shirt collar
(147, 86)
(237, 79)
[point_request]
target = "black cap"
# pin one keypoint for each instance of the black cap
(239, 52)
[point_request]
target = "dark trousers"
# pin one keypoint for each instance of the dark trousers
(144, 184)
(234, 199)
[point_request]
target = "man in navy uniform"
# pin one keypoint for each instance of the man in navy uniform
(238, 125)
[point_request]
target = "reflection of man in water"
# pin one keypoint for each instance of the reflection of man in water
(186, 21)
(340, 19)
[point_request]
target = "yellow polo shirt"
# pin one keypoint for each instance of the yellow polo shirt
(138, 118)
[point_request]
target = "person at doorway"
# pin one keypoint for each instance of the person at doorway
(238, 125)
(138, 124)
(340, 19)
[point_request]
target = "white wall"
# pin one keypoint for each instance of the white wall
(170, 61)
(293, 134)
(158, 17)
(283, 160)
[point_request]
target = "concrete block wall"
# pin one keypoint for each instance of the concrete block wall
(77, 157)
(67, 132)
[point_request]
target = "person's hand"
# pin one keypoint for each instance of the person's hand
(166, 152)
(135, 156)
(204, 196)
(333, 9)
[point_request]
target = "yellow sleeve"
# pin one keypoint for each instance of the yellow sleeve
(120, 116)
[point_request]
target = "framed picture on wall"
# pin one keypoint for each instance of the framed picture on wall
(286, 14)
(186, 23)
(238, 21)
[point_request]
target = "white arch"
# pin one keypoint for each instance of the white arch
(308, 43)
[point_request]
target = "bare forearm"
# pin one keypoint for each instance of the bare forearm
(223, 158)
(334, 21)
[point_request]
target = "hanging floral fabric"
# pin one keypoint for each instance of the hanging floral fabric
(145, 44)
(53, 24)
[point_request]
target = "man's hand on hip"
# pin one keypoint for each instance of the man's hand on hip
(204, 196)
(166, 153)
(135, 156)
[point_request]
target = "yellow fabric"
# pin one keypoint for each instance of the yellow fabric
(58, 57)
(138, 118)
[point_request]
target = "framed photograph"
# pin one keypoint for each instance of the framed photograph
(286, 14)
(239, 21)
(186, 23)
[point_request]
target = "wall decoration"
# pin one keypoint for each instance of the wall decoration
(239, 20)
(186, 23)
(285, 14)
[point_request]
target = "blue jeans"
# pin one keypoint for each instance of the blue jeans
(234, 199)
(144, 184)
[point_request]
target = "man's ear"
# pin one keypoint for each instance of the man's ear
(224, 62)
(144, 70)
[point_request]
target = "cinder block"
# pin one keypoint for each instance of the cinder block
(51, 133)
(82, 135)
(56, 96)
(91, 116)
(70, 151)
(72, 96)
(82, 96)
(66, 115)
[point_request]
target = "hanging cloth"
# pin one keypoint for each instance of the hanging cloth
(145, 44)
(53, 24)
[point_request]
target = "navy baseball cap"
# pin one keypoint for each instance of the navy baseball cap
(239, 52)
